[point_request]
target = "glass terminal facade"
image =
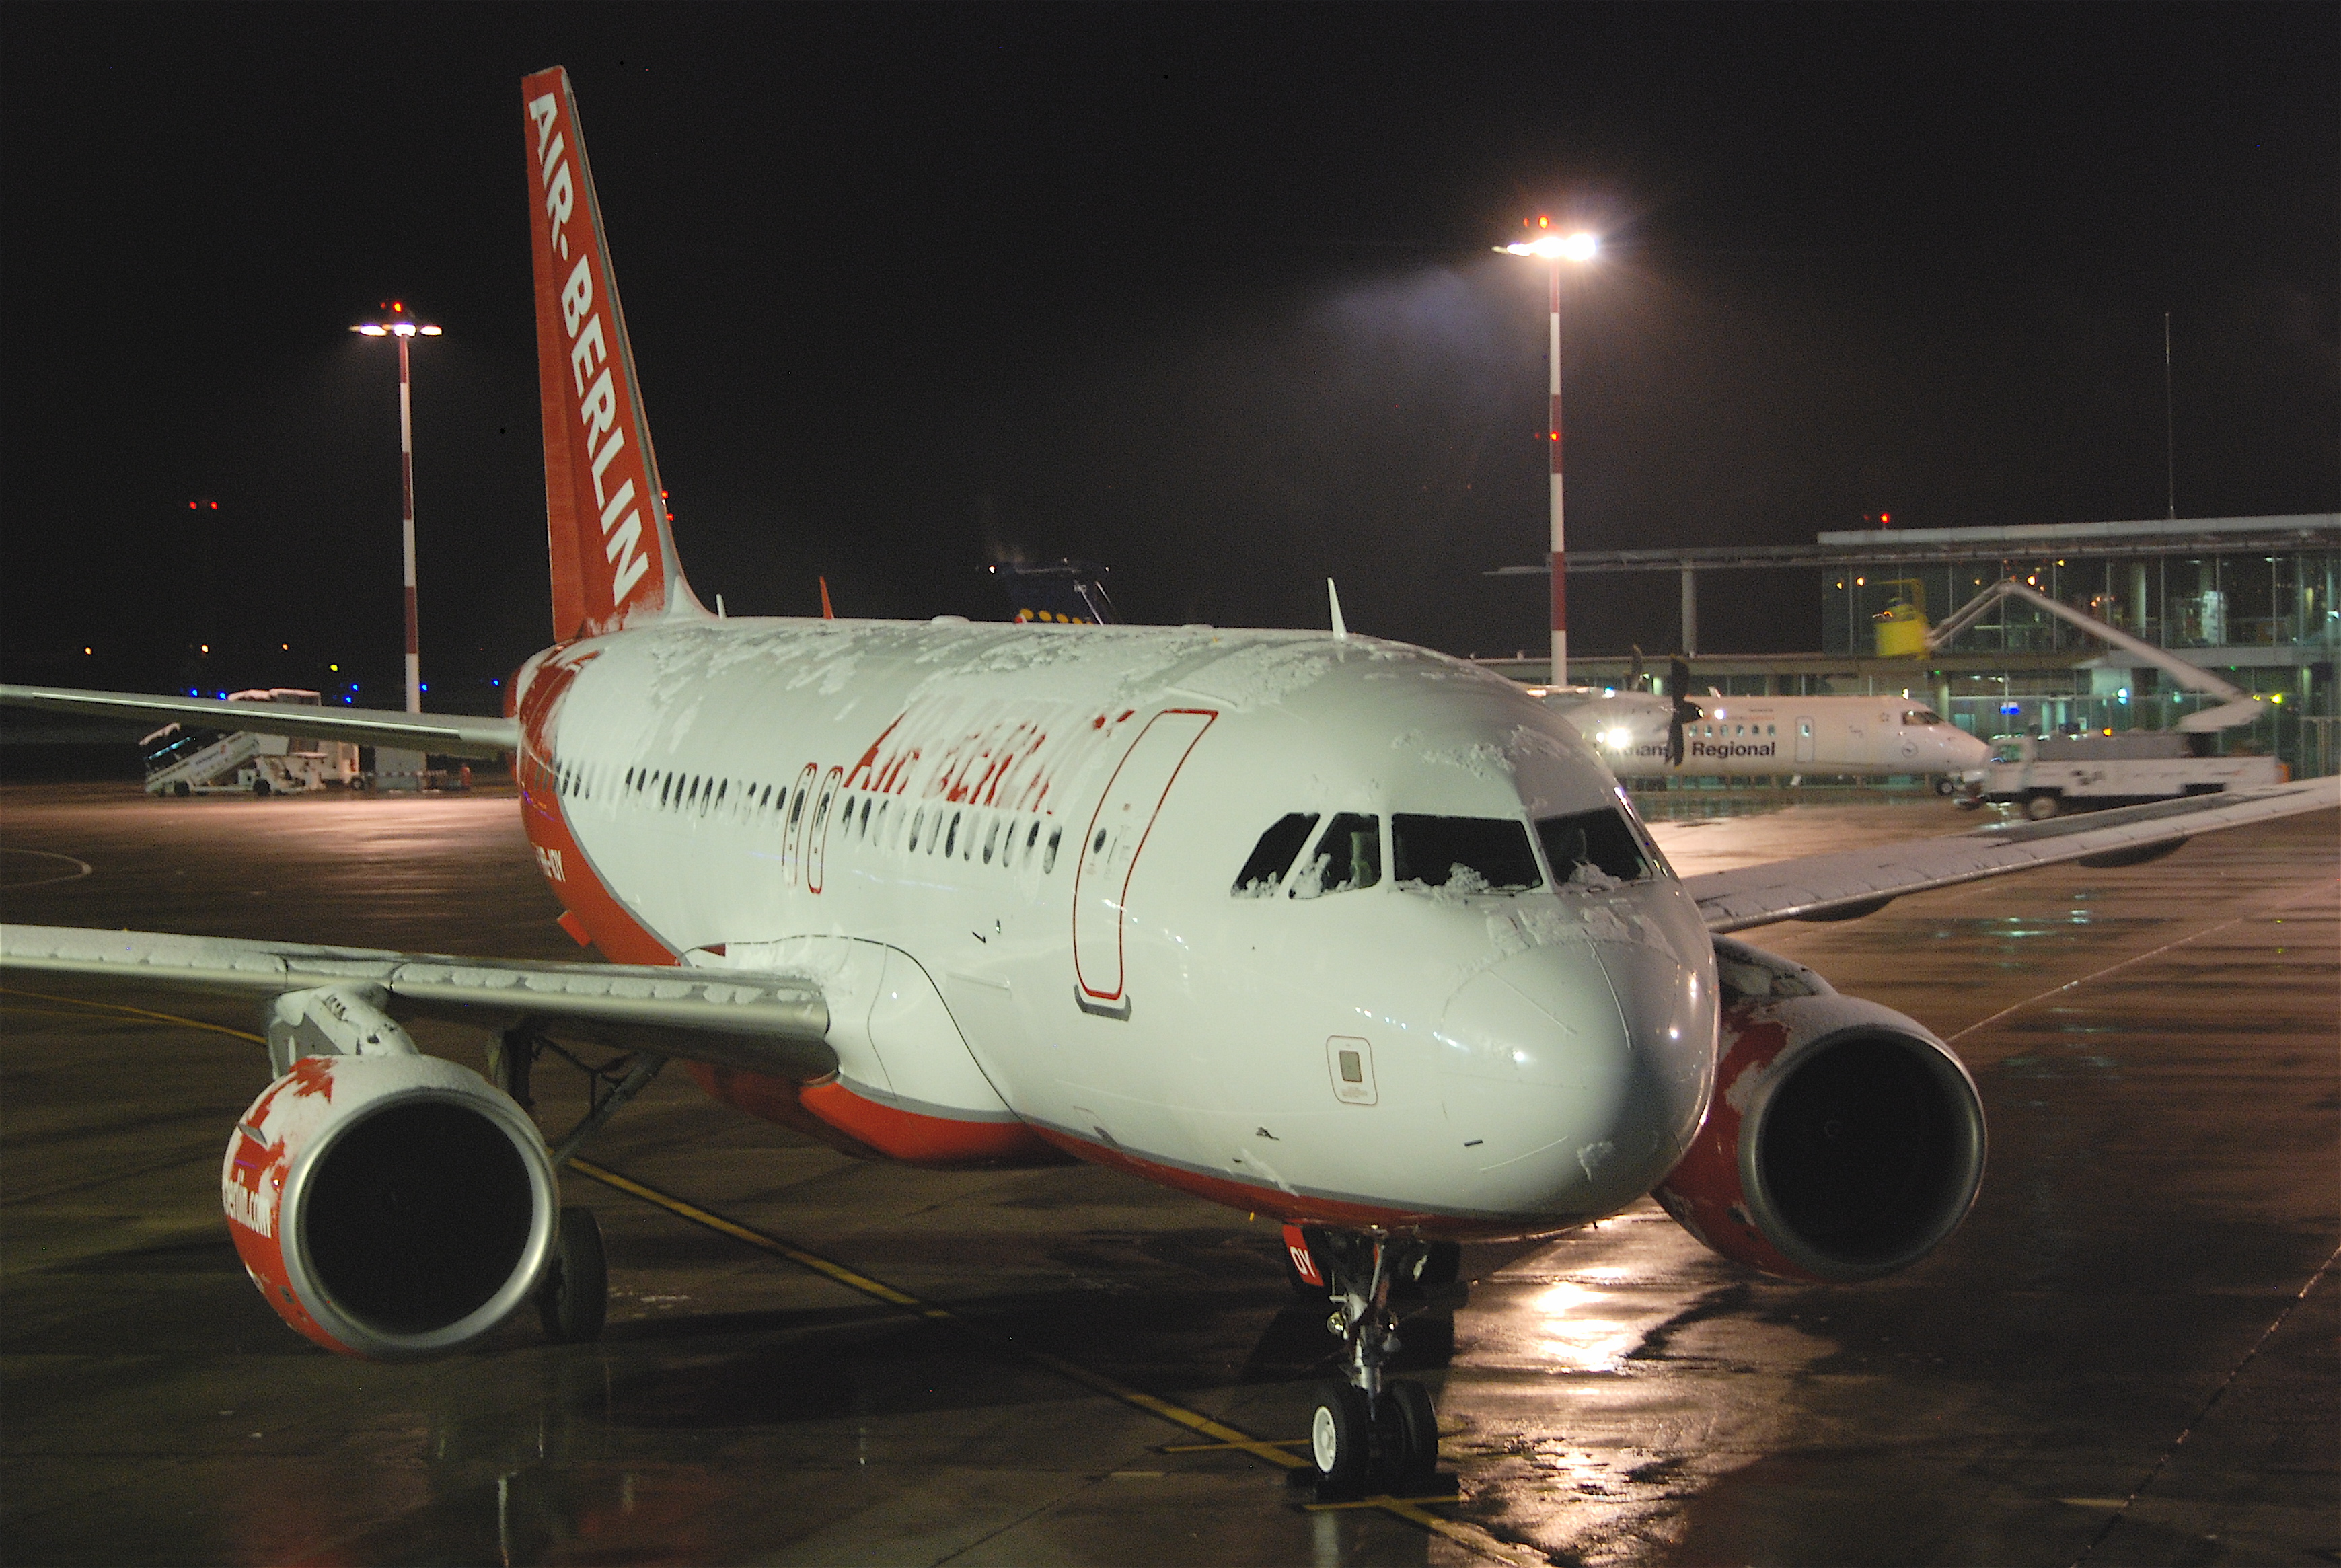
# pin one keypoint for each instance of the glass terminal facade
(2253, 600)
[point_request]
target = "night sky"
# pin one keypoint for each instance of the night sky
(1204, 294)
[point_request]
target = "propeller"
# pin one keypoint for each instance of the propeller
(1683, 712)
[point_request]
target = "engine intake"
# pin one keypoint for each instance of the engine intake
(389, 1205)
(1845, 1142)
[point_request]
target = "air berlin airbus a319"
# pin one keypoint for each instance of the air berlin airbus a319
(1329, 928)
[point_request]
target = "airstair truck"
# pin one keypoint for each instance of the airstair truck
(2059, 773)
(189, 761)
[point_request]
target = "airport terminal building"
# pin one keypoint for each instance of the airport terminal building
(2250, 598)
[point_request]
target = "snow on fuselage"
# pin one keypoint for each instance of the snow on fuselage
(1013, 854)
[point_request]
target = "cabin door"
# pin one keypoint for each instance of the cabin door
(1109, 852)
(1804, 739)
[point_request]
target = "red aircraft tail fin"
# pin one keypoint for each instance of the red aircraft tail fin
(613, 559)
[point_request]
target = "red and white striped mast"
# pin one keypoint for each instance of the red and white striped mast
(404, 329)
(1556, 249)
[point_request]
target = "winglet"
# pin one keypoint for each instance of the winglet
(1333, 599)
(826, 612)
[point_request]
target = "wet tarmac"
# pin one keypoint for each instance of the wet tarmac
(2127, 1356)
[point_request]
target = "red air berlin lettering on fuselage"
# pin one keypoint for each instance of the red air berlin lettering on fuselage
(597, 403)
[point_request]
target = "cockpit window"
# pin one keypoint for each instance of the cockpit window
(1462, 853)
(1263, 874)
(1348, 857)
(1593, 848)
(1921, 717)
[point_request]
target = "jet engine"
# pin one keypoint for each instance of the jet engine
(389, 1205)
(1844, 1143)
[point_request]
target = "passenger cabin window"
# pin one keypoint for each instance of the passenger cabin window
(1263, 874)
(1462, 853)
(1593, 849)
(1348, 857)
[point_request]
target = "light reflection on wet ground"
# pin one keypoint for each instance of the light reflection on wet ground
(1619, 1396)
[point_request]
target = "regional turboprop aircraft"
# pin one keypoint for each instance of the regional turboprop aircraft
(1324, 927)
(1643, 735)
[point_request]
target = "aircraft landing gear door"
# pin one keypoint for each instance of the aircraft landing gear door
(1804, 739)
(1110, 853)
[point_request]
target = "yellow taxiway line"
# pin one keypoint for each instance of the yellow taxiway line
(1223, 1436)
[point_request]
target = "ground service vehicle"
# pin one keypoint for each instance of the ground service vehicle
(183, 761)
(2071, 773)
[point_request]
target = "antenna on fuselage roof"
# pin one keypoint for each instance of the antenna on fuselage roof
(1333, 599)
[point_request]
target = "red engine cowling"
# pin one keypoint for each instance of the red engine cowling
(389, 1206)
(1844, 1143)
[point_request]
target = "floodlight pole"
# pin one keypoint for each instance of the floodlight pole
(1555, 249)
(1559, 675)
(403, 328)
(398, 768)
(406, 524)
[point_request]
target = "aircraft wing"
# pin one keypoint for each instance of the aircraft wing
(443, 734)
(1851, 883)
(764, 1022)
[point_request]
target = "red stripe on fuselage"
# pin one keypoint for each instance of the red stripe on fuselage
(917, 1139)
(1292, 1208)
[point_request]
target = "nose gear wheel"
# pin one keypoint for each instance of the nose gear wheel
(1368, 1432)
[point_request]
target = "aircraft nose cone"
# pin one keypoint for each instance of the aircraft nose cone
(1581, 1070)
(1667, 1009)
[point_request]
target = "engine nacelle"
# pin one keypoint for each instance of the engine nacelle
(1844, 1143)
(389, 1205)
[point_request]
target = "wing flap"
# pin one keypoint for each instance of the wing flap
(1851, 881)
(764, 1022)
(449, 735)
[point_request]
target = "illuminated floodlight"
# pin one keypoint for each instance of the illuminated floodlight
(1580, 246)
(396, 321)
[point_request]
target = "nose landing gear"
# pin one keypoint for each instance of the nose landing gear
(1370, 1433)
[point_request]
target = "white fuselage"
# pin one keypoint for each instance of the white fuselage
(1747, 737)
(1010, 852)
